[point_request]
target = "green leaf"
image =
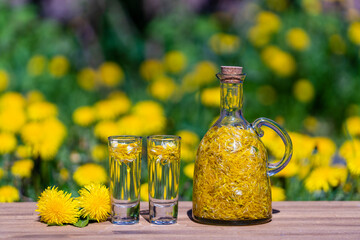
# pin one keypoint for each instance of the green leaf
(54, 224)
(83, 222)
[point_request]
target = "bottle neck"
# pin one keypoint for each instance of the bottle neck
(231, 99)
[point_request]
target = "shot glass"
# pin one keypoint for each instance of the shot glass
(124, 165)
(163, 152)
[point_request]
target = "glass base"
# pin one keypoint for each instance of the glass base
(125, 212)
(231, 223)
(163, 212)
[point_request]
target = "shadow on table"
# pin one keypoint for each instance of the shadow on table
(145, 214)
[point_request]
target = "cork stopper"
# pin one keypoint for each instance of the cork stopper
(231, 74)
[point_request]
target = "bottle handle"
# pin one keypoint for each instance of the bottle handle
(274, 168)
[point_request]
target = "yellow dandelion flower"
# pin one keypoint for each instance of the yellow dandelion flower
(42, 110)
(175, 61)
(9, 194)
(354, 33)
(352, 126)
(94, 202)
(64, 174)
(23, 151)
(90, 173)
(298, 39)
(273, 143)
(162, 88)
(59, 66)
(188, 154)
(12, 120)
(290, 170)
(36, 65)
(189, 170)
(222, 43)
(99, 153)
(35, 96)
(350, 148)
(57, 207)
(12, 100)
(105, 110)
(151, 69)
(269, 20)
(304, 91)
(325, 150)
(313, 7)
(105, 129)
(204, 73)
(322, 178)
(22, 168)
(259, 35)
(151, 113)
(210, 97)
(84, 116)
(311, 124)
(144, 192)
(1, 173)
(7, 143)
(279, 61)
(266, 95)
(4, 80)
(337, 44)
(353, 164)
(86, 79)
(303, 145)
(131, 125)
(188, 138)
(111, 74)
(277, 194)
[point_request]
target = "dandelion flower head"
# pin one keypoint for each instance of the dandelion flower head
(9, 194)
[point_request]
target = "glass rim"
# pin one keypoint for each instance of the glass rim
(164, 137)
(124, 137)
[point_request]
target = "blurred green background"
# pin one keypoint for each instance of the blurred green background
(74, 72)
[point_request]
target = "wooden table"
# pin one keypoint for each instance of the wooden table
(291, 220)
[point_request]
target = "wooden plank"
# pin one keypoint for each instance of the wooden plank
(293, 220)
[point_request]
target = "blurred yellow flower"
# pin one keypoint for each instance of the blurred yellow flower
(266, 95)
(290, 170)
(313, 7)
(99, 153)
(111, 74)
(1, 173)
(322, 178)
(111, 108)
(222, 43)
(90, 173)
(273, 143)
(354, 33)
(105, 129)
(352, 110)
(59, 66)
(303, 145)
(278, 5)
(162, 88)
(189, 170)
(94, 201)
(205, 73)
(188, 154)
(22, 168)
(9, 194)
(210, 97)
(352, 126)
(175, 61)
(151, 113)
(259, 35)
(350, 149)
(12, 100)
(353, 164)
(277, 194)
(35, 96)
(151, 69)
(304, 91)
(7, 143)
(188, 138)
(298, 39)
(11, 120)
(280, 62)
(86, 79)
(4, 80)
(311, 124)
(84, 116)
(269, 20)
(23, 151)
(131, 125)
(64, 174)
(325, 148)
(144, 192)
(42, 110)
(44, 137)
(121, 102)
(337, 44)
(57, 207)
(36, 65)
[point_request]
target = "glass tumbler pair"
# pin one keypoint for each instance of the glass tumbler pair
(163, 154)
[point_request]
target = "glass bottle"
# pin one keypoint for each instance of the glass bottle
(231, 178)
